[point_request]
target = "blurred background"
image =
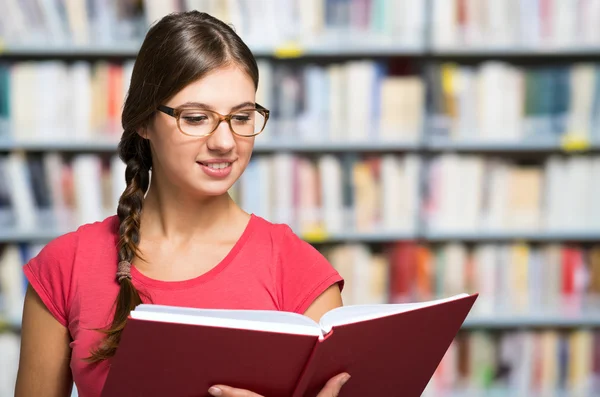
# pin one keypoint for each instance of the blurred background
(426, 147)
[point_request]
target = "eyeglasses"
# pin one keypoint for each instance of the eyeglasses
(199, 122)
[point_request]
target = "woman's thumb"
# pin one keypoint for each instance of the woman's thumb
(333, 387)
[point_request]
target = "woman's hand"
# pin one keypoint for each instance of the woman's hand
(331, 389)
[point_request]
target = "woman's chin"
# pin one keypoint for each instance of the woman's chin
(213, 189)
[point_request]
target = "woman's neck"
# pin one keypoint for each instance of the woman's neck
(172, 215)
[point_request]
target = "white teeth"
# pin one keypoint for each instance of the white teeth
(218, 166)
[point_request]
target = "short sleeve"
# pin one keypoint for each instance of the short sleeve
(50, 273)
(304, 273)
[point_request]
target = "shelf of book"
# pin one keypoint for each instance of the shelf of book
(514, 52)
(512, 321)
(337, 49)
(322, 237)
(531, 146)
(299, 50)
(513, 236)
(8, 236)
(373, 146)
(260, 147)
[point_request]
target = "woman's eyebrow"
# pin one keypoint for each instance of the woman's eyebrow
(209, 107)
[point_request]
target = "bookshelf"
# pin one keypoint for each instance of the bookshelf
(429, 146)
(260, 147)
(438, 63)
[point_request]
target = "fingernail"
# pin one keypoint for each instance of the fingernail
(215, 391)
(344, 379)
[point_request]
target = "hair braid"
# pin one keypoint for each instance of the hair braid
(129, 210)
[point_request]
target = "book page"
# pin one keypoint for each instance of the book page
(358, 313)
(259, 320)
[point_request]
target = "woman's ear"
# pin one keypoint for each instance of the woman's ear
(142, 132)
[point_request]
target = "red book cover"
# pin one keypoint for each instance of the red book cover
(390, 356)
(386, 353)
(167, 359)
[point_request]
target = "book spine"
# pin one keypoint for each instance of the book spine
(306, 376)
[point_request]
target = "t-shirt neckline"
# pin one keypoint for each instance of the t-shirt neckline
(210, 274)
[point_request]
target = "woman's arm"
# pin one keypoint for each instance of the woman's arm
(45, 353)
(329, 299)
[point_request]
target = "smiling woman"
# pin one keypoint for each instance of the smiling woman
(189, 124)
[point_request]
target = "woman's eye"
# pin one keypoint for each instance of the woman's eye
(195, 118)
(241, 118)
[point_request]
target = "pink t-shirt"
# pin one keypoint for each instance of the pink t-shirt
(269, 268)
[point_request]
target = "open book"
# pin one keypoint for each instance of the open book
(386, 348)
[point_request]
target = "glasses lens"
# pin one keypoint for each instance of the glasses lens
(200, 122)
(247, 122)
(197, 122)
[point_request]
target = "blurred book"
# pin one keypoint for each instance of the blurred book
(514, 24)
(500, 102)
(261, 23)
(543, 363)
(487, 194)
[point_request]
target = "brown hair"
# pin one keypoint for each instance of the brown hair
(177, 50)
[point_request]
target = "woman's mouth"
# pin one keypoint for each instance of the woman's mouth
(216, 170)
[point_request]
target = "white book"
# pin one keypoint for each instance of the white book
(54, 23)
(360, 80)
(455, 255)
(451, 166)
(498, 23)
(413, 21)
(582, 79)
(88, 189)
(564, 23)
(474, 30)
(330, 171)
(23, 85)
(283, 199)
(78, 20)
(156, 9)
(552, 193)
(251, 187)
(486, 262)
(312, 20)
(471, 192)
(21, 191)
(589, 15)
(497, 196)
(80, 100)
(579, 175)
(53, 164)
(395, 207)
(467, 103)
(9, 362)
(265, 186)
(337, 109)
(117, 171)
(444, 27)
(11, 284)
(315, 115)
(530, 23)
(594, 192)
(361, 261)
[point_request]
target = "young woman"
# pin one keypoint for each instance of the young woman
(190, 119)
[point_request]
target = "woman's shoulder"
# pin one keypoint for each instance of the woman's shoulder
(278, 229)
(279, 235)
(302, 271)
(55, 272)
(96, 232)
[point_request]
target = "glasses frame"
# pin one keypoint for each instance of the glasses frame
(176, 113)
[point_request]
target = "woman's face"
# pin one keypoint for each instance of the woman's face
(195, 164)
